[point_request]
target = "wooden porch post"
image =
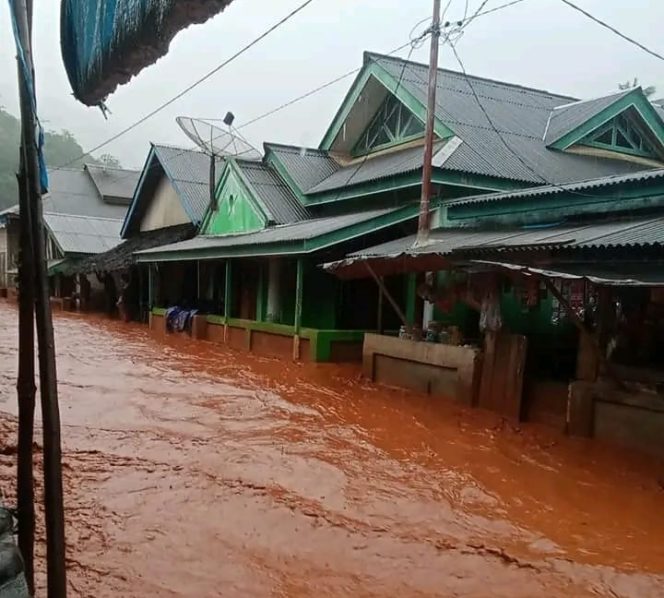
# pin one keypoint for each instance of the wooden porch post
(411, 297)
(260, 294)
(150, 287)
(297, 324)
(379, 323)
(198, 280)
(227, 297)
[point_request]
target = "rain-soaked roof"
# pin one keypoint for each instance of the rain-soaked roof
(83, 234)
(445, 243)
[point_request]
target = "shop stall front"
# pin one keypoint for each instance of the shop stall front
(618, 393)
(577, 343)
(451, 342)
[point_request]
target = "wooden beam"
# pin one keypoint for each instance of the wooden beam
(383, 288)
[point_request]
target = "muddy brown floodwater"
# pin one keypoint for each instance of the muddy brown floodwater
(194, 470)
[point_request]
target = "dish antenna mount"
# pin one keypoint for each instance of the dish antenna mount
(217, 143)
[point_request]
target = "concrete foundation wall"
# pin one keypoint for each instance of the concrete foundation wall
(632, 419)
(441, 370)
(272, 340)
(272, 345)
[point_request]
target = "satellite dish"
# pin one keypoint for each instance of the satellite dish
(215, 141)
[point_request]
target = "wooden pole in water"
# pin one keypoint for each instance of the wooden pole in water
(427, 167)
(26, 360)
(25, 386)
(53, 494)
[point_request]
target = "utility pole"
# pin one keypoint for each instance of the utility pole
(427, 167)
(53, 493)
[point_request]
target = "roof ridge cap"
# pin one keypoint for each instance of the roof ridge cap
(83, 216)
(116, 168)
(593, 99)
(467, 76)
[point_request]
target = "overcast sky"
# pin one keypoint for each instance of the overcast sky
(539, 43)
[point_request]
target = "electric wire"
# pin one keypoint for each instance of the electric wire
(614, 30)
(195, 84)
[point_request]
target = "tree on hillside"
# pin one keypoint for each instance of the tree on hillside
(59, 148)
(110, 161)
(648, 91)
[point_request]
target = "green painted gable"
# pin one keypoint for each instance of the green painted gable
(623, 134)
(372, 72)
(637, 110)
(393, 124)
(236, 210)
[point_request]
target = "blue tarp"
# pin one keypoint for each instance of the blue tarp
(106, 42)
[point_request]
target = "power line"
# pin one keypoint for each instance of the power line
(412, 43)
(275, 110)
(195, 84)
(481, 13)
(477, 14)
(614, 30)
(542, 179)
(306, 95)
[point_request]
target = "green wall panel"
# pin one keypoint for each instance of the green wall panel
(235, 211)
(321, 291)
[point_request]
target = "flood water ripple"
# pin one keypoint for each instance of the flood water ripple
(194, 470)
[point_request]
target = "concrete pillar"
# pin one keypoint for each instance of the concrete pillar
(273, 311)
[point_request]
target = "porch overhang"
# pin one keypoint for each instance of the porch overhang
(301, 238)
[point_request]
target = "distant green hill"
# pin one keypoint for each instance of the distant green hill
(60, 148)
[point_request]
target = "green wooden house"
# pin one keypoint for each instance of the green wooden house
(254, 264)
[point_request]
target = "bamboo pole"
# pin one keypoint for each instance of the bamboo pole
(25, 385)
(53, 493)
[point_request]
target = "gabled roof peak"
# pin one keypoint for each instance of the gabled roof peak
(615, 95)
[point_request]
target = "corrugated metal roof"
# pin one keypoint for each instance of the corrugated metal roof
(189, 171)
(301, 231)
(83, 234)
(7, 213)
(586, 185)
(612, 234)
(564, 119)
(115, 185)
(276, 196)
(374, 168)
(72, 191)
(307, 167)
(520, 115)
